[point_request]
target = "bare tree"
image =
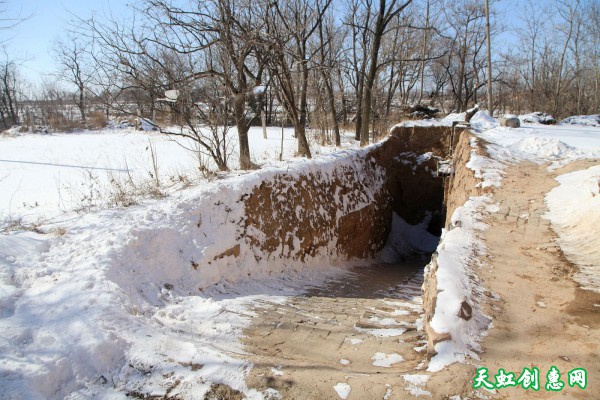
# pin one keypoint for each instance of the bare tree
(465, 64)
(385, 13)
(51, 104)
(568, 11)
(229, 32)
(72, 55)
(177, 48)
(533, 18)
(8, 22)
(359, 21)
(592, 57)
(10, 95)
(330, 53)
(290, 28)
(559, 58)
(10, 101)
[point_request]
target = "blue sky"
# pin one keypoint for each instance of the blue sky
(32, 40)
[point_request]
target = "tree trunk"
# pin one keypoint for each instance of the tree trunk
(303, 147)
(423, 54)
(263, 119)
(370, 81)
(242, 128)
(343, 95)
(300, 128)
(334, 117)
(81, 104)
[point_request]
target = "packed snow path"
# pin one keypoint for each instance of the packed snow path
(355, 333)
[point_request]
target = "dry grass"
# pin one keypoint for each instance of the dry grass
(13, 224)
(223, 392)
(97, 120)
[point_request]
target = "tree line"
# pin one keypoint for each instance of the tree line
(195, 68)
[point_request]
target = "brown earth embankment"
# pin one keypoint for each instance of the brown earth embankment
(298, 216)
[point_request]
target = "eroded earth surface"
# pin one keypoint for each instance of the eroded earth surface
(356, 333)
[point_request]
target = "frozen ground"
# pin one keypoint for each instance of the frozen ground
(573, 211)
(87, 308)
(44, 176)
(75, 322)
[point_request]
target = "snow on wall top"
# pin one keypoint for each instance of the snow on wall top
(257, 223)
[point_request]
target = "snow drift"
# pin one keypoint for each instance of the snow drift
(574, 211)
(266, 222)
(149, 300)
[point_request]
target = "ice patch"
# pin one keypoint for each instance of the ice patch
(388, 392)
(384, 321)
(343, 390)
(414, 384)
(403, 304)
(382, 332)
(355, 341)
(272, 394)
(386, 360)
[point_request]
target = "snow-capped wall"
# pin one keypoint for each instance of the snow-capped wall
(311, 213)
(453, 316)
(279, 219)
(334, 210)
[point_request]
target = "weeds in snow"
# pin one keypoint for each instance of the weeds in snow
(128, 303)
(12, 224)
(154, 159)
(119, 188)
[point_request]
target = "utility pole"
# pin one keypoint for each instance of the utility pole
(424, 50)
(489, 57)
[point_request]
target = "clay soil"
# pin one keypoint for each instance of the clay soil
(543, 318)
(303, 348)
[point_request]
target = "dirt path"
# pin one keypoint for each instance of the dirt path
(542, 319)
(329, 336)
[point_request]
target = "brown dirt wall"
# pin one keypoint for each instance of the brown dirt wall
(351, 206)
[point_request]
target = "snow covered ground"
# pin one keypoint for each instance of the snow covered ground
(44, 176)
(77, 323)
(88, 303)
(574, 211)
(557, 144)
(574, 206)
